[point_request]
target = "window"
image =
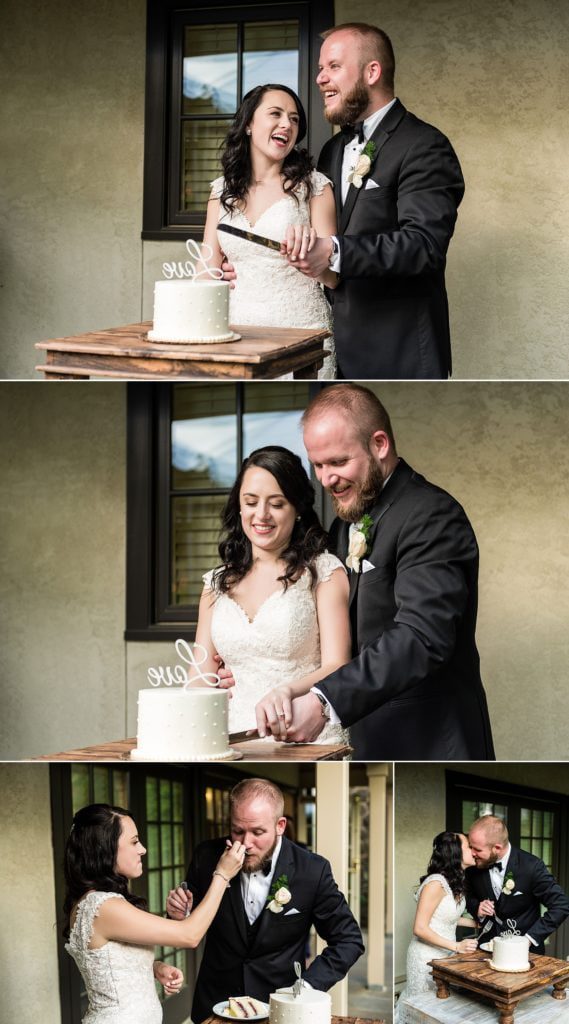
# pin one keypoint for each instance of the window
(201, 61)
(186, 443)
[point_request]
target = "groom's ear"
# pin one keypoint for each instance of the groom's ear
(380, 445)
(281, 825)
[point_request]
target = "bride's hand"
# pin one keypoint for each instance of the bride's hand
(274, 712)
(299, 240)
(467, 946)
(171, 978)
(231, 860)
(226, 680)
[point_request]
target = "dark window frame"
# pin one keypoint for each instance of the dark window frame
(165, 19)
(148, 614)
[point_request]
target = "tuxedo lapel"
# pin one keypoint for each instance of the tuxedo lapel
(337, 161)
(385, 128)
(237, 907)
(284, 866)
(513, 866)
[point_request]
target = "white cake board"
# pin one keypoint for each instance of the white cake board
(458, 1009)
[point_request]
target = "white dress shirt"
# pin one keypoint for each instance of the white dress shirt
(255, 887)
(497, 875)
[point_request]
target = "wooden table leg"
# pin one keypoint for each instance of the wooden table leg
(307, 372)
(559, 990)
(506, 1013)
(443, 991)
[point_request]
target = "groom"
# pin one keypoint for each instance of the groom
(395, 221)
(412, 690)
(508, 884)
(251, 949)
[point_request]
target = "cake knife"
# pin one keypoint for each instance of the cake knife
(241, 737)
(269, 243)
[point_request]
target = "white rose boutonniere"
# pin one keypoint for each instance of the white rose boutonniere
(357, 546)
(362, 165)
(509, 884)
(279, 895)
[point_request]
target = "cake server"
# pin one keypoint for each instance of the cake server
(269, 243)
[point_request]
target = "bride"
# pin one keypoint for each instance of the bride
(276, 611)
(110, 934)
(440, 906)
(270, 187)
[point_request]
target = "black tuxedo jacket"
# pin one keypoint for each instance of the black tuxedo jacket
(232, 967)
(534, 885)
(413, 689)
(390, 307)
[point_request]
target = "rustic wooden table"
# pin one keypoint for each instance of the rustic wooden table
(335, 1020)
(472, 971)
(252, 750)
(125, 352)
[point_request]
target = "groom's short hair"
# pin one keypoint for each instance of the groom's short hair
(494, 829)
(252, 789)
(359, 404)
(375, 45)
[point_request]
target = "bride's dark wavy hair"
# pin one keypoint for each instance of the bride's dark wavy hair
(446, 860)
(308, 537)
(236, 157)
(91, 856)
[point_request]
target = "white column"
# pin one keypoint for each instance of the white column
(332, 842)
(377, 776)
(389, 872)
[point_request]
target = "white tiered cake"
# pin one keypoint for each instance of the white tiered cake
(175, 724)
(191, 311)
(309, 1007)
(510, 953)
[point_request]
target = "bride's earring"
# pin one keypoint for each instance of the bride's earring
(247, 131)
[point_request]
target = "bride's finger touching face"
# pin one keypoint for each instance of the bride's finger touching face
(274, 127)
(467, 855)
(130, 850)
(267, 517)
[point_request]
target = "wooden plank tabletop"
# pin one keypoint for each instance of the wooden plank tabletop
(252, 750)
(473, 971)
(335, 1020)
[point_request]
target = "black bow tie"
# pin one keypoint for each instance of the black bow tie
(267, 867)
(498, 865)
(349, 131)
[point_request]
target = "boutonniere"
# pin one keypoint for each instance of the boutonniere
(509, 884)
(359, 541)
(279, 895)
(362, 165)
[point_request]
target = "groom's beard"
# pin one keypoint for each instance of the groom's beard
(482, 864)
(353, 105)
(258, 863)
(366, 495)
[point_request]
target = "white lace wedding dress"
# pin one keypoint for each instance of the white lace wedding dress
(444, 922)
(118, 977)
(280, 645)
(268, 291)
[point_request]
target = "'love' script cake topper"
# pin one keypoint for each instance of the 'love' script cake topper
(178, 676)
(200, 254)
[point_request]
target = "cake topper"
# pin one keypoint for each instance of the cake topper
(199, 254)
(297, 987)
(511, 930)
(178, 676)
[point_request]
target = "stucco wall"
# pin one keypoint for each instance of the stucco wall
(62, 523)
(72, 87)
(28, 940)
(420, 811)
(67, 677)
(491, 76)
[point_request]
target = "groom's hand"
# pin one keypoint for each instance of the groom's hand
(274, 713)
(307, 719)
(316, 261)
(226, 680)
(228, 271)
(485, 909)
(179, 903)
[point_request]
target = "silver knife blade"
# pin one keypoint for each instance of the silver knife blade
(269, 243)
(240, 737)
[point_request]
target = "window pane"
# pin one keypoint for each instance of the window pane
(548, 824)
(537, 823)
(79, 786)
(154, 902)
(201, 161)
(270, 54)
(272, 416)
(178, 801)
(101, 785)
(120, 789)
(204, 438)
(210, 70)
(152, 799)
(525, 821)
(166, 843)
(165, 800)
(547, 855)
(152, 843)
(179, 844)
(195, 535)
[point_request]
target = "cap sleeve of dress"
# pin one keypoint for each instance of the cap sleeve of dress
(319, 182)
(217, 187)
(87, 911)
(325, 564)
(434, 878)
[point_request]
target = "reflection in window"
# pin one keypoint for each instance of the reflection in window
(271, 54)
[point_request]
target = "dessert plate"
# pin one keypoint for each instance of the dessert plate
(220, 1010)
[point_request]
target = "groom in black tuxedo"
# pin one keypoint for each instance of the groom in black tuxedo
(508, 884)
(395, 221)
(413, 689)
(251, 947)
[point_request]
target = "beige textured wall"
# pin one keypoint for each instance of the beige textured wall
(28, 941)
(62, 523)
(493, 77)
(420, 816)
(72, 87)
(68, 679)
